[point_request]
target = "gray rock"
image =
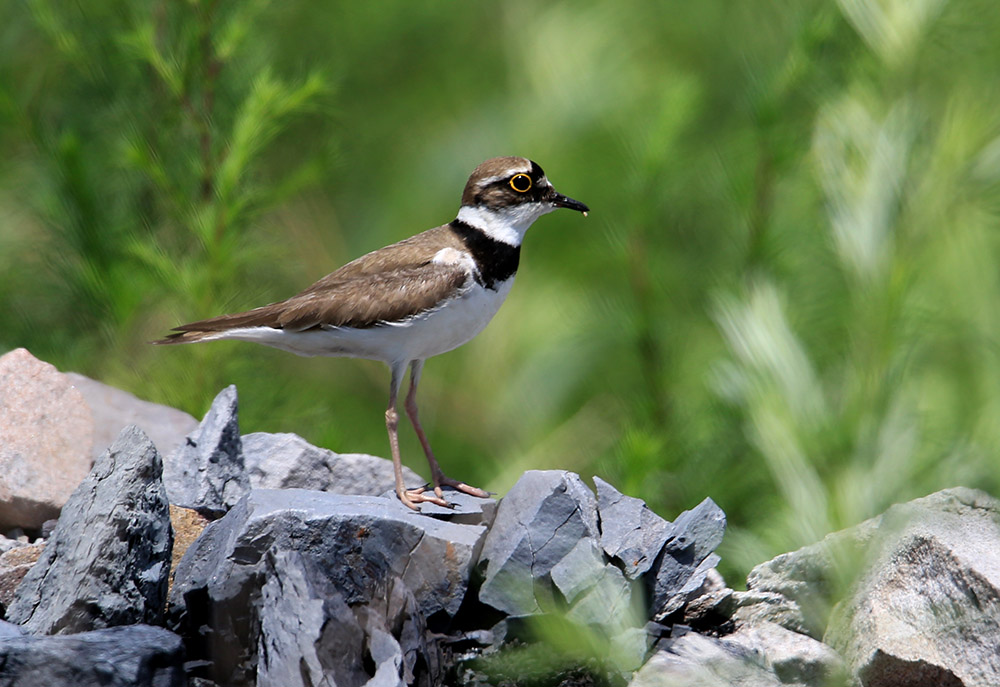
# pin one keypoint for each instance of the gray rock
(207, 472)
(462, 508)
(630, 531)
(47, 434)
(693, 660)
(363, 545)
(680, 571)
(132, 656)
(14, 565)
(9, 630)
(540, 522)
(794, 657)
(287, 461)
(926, 607)
(311, 636)
(108, 559)
(114, 409)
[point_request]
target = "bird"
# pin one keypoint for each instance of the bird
(404, 303)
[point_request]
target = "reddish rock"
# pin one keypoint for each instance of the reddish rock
(14, 565)
(46, 438)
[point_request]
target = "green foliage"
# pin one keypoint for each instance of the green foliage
(784, 299)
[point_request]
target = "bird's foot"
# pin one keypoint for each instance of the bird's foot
(460, 486)
(411, 497)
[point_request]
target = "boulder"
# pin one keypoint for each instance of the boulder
(630, 531)
(287, 461)
(132, 656)
(113, 410)
(679, 572)
(547, 516)
(694, 660)
(107, 561)
(926, 609)
(46, 435)
(360, 546)
(207, 472)
(793, 657)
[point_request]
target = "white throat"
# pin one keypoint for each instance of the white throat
(507, 225)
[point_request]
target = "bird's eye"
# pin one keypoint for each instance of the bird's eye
(520, 183)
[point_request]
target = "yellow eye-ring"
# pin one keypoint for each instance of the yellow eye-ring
(520, 183)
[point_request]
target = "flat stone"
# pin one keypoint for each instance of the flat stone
(113, 410)
(46, 435)
(794, 657)
(630, 531)
(287, 461)
(680, 570)
(462, 508)
(207, 473)
(539, 522)
(693, 660)
(362, 545)
(8, 630)
(107, 561)
(131, 656)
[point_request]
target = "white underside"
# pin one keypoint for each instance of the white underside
(431, 333)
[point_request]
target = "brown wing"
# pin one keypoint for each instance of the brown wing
(386, 285)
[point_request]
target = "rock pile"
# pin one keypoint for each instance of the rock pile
(275, 583)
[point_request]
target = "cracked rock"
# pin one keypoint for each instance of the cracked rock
(362, 546)
(548, 516)
(207, 472)
(132, 656)
(630, 531)
(287, 461)
(680, 571)
(108, 559)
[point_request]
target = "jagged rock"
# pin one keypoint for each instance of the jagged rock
(547, 516)
(793, 657)
(311, 636)
(114, 409)
(207, 472)
(679, 572)
(694, 660)
(131, 656)
(14, 565)
(362, 544)
(47, 437)
(287, 461)
(630, 531)
(108, 559)
(926, 610)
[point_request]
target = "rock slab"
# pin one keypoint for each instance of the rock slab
(133, 656)
(361, 546)
(287, 461)
(207, 472)
(108, 559)
(46, 435)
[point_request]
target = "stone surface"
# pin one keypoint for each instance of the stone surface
(187, 525)
(113, 410)
(793, 657)
(133, 656)
(544, 518)
(927, 608)
(108, 559)
(8, 544)
(9, 630)
(630, 531)
(311, 636)
(207, 472)
(46, 435)
(362, 544)
(14, 565)
(680, 570)
(693, 660)
(287, 461)
(462, 508)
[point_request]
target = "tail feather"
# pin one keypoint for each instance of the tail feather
(209, 329)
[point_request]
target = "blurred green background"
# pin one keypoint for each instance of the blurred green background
(786, 297)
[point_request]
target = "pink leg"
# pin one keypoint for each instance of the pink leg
(409, 497)
(437, 476)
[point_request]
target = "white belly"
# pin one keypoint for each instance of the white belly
(417, 338)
